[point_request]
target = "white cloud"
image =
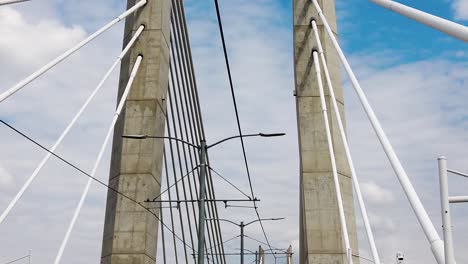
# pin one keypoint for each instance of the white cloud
(460, 8)
(376, 194)
(26, 44)
(6, 180)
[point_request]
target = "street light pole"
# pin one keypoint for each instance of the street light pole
(203, 148)
(201, 205)
(242, 241)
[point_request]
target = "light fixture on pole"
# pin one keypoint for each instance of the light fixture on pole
(203, 152)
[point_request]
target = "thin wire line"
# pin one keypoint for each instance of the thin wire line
(88, 175)
(230, 183)
(367, 259)
(263, 243)
(224, 242)
(220, 24)
(168, 188)
(173, 100)
(169, 195)
(18, 259)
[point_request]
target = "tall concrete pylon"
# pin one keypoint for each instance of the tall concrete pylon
(321, 238)
(130, 232)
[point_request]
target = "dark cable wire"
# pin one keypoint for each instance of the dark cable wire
(181, 179)
(169, 195)
(221, 31)
(230, 183)
(88, 175)
(18, 259)
(182, 81)
(263, 243)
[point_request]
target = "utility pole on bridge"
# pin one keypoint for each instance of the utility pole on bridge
(321, 237)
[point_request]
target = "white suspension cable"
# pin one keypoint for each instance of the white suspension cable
(448, 27)
(437, 246)
(69, 127)
(99, 157)
(357, 188)
(339, 199)
(7, 2)
(60, 58)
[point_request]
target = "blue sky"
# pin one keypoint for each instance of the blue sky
(415, 78)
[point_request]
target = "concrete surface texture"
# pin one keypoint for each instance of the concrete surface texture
(320, 230)
(130, 232)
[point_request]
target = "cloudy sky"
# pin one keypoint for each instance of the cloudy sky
(415, 78)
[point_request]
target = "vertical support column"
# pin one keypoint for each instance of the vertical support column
(130, 232)
(321, 238)
(445, 206)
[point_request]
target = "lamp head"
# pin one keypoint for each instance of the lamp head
(271, 135)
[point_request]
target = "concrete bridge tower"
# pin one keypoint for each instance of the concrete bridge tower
(321, 239)
(130, 232)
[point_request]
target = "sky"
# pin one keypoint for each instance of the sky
(414, 77)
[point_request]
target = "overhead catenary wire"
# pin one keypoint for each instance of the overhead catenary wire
(18, 259)
(69, 126)
(228, 68)
(174, 173)
(68, 53)
(166, 169)
(176, 182)
(230, 183)
(344, 139)
(8, 2)
(99, 157)
(418, 208)
(265, 244)
(90, 176)
(336, 181)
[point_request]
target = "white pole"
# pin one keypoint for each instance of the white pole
(57, 60)
(458, 199)
(333, 161)
(69, 127)
(448, 27)
(99, 157)
(437, 246)
(7, 2)
(357, 188)
(445, 206)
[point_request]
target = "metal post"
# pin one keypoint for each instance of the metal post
(201, 205)
(242, 241)
(256, 257)
(289, 256)
(445, 206)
